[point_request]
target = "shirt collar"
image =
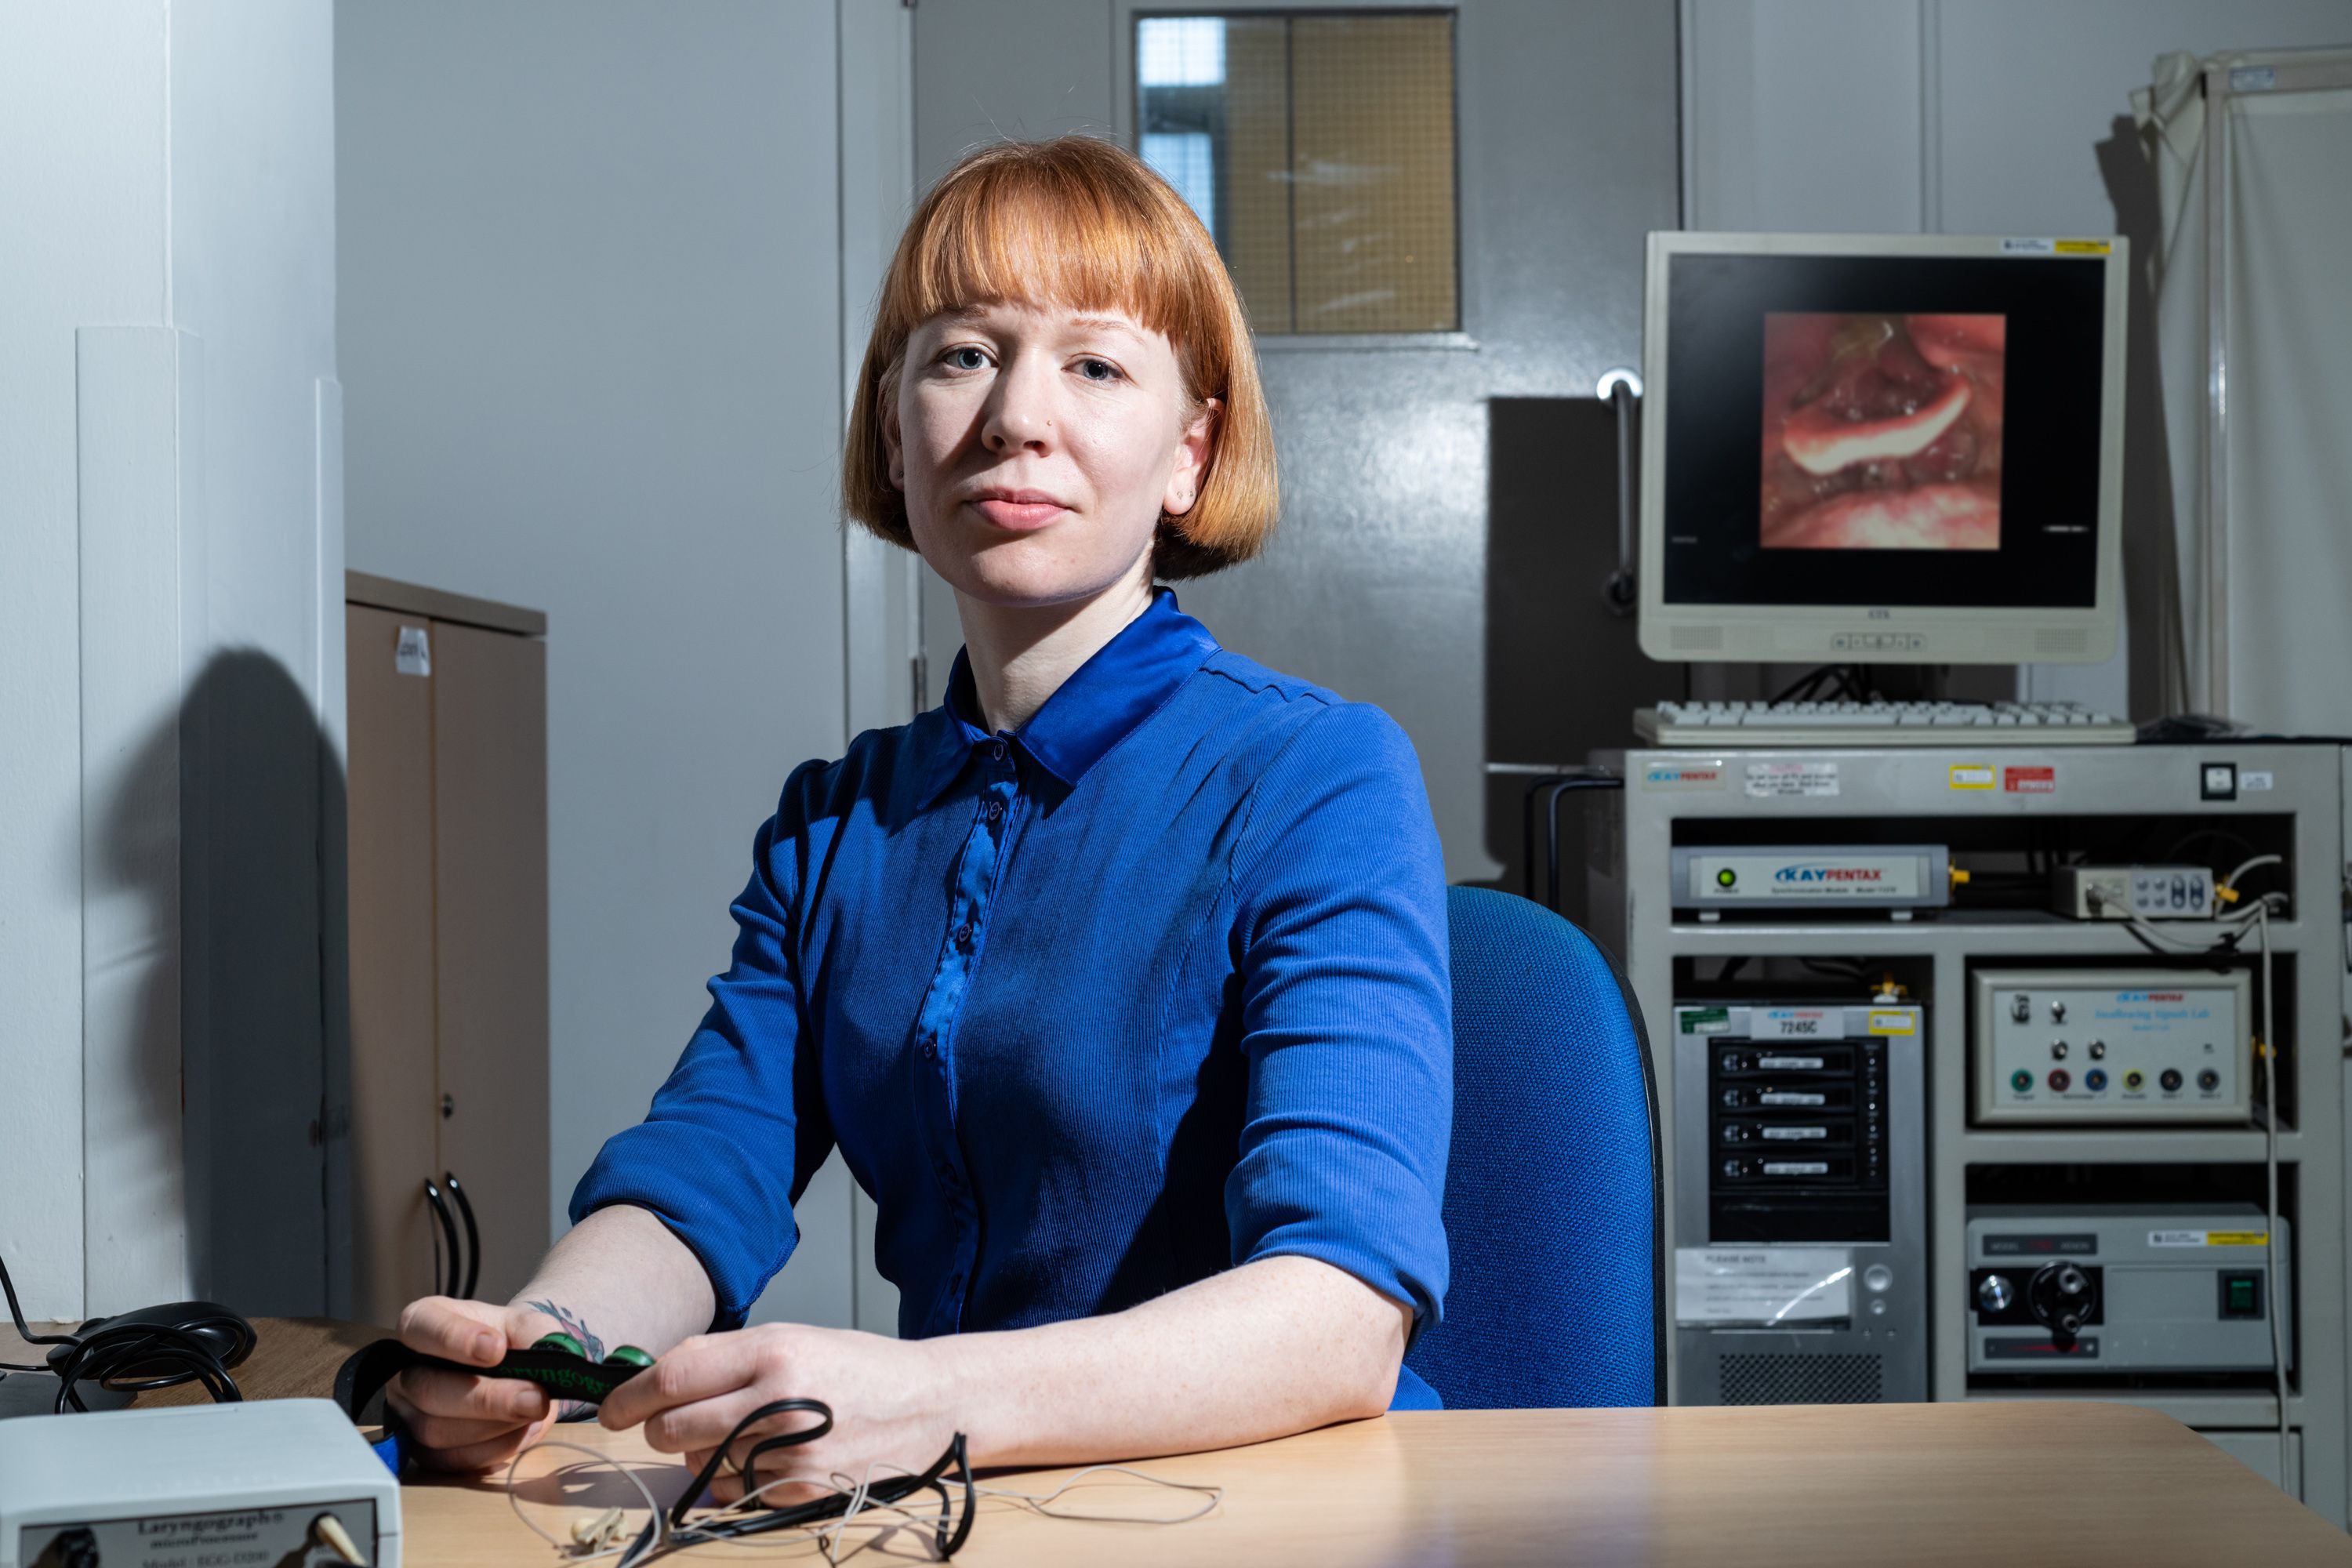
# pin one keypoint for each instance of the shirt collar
(1125, 682)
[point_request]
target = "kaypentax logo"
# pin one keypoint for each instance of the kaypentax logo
(2152, 997)
(1829, 874)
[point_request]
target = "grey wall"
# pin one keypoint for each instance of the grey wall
(589, 321)
(1378, 583)
(168, 673)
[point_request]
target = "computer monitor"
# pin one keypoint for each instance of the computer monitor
(1882, 449)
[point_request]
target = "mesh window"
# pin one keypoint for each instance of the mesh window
(1318, 149)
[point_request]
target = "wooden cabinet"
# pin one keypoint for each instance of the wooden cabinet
(447, 793)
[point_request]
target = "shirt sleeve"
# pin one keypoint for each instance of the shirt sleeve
(1346, 1013)
(740, 1126)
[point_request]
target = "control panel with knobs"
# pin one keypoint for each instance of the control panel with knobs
(2180, 1041)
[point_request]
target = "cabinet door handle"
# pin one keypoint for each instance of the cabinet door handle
(448, 1106)
(446, 1235)
(473, 1235)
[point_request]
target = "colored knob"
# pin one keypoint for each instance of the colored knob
(2133, 1079)
(2059, 1081)
(2021, 1081)
(2095, 1079)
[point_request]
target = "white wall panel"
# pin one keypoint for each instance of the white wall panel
(591, 349)
(167, 182)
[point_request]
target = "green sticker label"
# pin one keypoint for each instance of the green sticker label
(1706, 1020)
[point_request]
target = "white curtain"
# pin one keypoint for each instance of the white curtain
(2286, 600)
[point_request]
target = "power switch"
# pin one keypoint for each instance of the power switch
(2242, 1293)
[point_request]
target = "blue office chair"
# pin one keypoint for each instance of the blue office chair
(1553, 1195)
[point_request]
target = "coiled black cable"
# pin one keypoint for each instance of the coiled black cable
(159, 1348)
(952, 1467)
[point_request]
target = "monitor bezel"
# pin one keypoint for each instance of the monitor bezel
(1889, 634)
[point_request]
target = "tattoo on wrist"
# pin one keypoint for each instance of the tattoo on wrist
(590, 1346)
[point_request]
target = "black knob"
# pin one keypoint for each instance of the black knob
(2208, 1080)
(2170, 1079)
(2072, 1282)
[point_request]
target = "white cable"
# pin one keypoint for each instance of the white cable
(2231, 881)
(860, 1512)
(514, 1496)
(1038, 1503)
(2269, 1160)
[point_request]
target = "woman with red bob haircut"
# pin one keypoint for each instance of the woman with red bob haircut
(1118, 979)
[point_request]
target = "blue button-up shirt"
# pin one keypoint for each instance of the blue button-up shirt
(1149, 988)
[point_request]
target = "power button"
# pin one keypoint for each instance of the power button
(1877, 1277)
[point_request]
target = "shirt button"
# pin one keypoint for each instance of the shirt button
(930, 1050)
(995, 809)
(996, 751)
(963, 936)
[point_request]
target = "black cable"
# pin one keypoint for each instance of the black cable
(750, 1461)
(473, 1236)
(444, 1287)
(133, 1353)
(1582, 778)
(886, 1491)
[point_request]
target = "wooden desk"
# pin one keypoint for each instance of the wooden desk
(2067, 1482)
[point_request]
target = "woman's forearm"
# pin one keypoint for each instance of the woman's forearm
(1275, 1346)
(624, 1277)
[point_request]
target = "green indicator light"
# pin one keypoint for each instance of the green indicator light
(1725, 878)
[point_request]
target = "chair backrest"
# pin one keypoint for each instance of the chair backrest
(1551, 1193)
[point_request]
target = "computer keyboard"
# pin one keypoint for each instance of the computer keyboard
(1879, 724)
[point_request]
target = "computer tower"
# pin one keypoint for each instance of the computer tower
(1801, 1264)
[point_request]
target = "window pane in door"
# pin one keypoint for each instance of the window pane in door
(1318, 149)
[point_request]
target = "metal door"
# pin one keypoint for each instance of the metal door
(1449, 499)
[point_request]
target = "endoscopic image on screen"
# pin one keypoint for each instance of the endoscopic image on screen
(1881, 432)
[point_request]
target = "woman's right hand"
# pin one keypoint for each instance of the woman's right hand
(458, 1421)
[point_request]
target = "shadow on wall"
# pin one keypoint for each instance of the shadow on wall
(263, 1080)
(1564, 673)
(2160, 681)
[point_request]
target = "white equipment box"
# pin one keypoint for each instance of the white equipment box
(2124, 1287)
(2112, 1044)
(1812, 877)
(2134, 892)
(195, 1484)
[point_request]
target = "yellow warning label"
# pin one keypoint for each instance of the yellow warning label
(2237, 1238)
(2083, 247)
(1972, 776)
(1893, 1023)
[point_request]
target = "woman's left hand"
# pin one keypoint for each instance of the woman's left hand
(892, 1402)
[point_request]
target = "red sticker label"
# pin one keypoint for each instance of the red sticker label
(2030, 781)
